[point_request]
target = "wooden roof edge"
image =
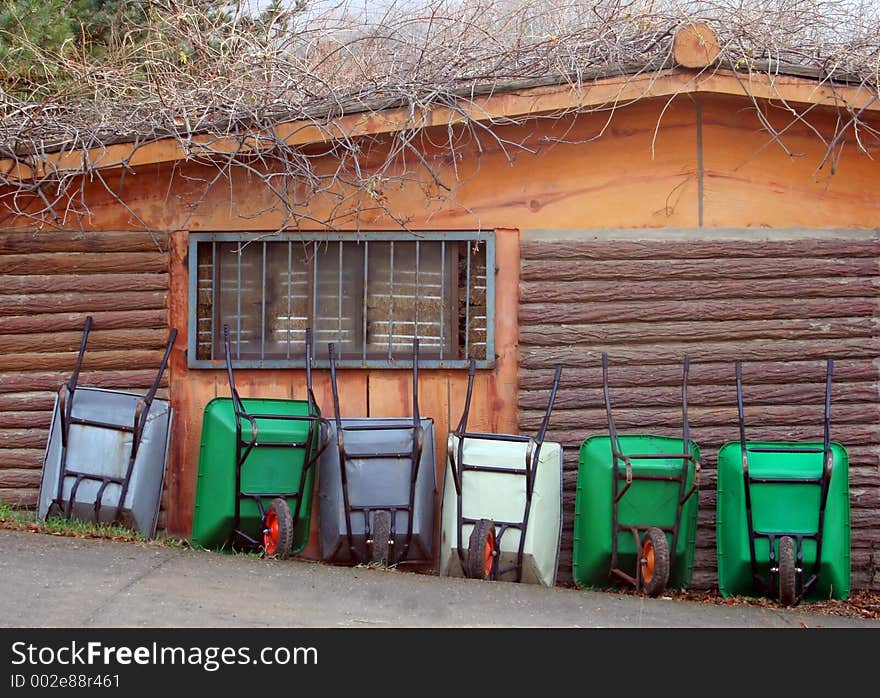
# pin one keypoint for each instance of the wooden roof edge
(515, 100)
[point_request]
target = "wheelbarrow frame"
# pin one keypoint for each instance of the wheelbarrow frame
(66, 398)
(458, 467)
(770, 586)
(373, 550)
(628, 475)
(317, 427)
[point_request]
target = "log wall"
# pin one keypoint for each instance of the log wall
(49, 283)
(781, 303)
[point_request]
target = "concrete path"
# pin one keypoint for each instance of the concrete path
(52, 581)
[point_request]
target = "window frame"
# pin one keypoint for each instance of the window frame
(195, 238)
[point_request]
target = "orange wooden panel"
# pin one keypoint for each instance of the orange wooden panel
(633, 168)
(751, 181)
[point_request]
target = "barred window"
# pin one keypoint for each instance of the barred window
(369, 295)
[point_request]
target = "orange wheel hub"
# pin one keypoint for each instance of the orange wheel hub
(488, 554)
(270, 533)
(647, 561)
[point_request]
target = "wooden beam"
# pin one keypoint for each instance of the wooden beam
(711, 310)
(42, 283)
(83, 262)
(86, 302)
(80, 241)
(93, 360)
(753, 350)
(99, 340)
(73, 321)
(709, 373)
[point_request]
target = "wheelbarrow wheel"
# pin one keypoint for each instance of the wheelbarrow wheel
(278, 530)
(654, 562)
(381, 534)
(481, 550)
(787, 576)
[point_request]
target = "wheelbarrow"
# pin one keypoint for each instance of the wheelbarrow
(636, 505)
(377, 486)
(502, 502)
(257, 469)
(783, 519)
(106, 453)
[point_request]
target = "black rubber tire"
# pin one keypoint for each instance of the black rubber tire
(281, 510)
(654, 581)
(483, 534)
(787, 574)
(381, 534)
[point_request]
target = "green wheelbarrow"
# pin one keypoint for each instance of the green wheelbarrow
(635, 515)
(783, 520)
(257, 470)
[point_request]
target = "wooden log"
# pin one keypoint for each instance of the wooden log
(23, 438)
(22, 457)
(864, 461)
(82, 241)
(646, 417)
(694, 331)
(711, 438)
(83, 263)
(534, 248)
(27, 401)
(709, 373)
(16, 478)
(747, 351)
(103, 320)
(86, 301)
(20, 498)
(57, 283)
(714, 310)
(865, 497)
(99, 340)
(94, 361)
(694, 269)
(695, 46)
(25, 420)
(600, 291)
(17, 382)
(864, 475)
(702, 395)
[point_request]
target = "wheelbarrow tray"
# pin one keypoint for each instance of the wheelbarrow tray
(502, 497)
(379, 483)
(785, 507)
(646, 503)
(105, 453)
(267, 469)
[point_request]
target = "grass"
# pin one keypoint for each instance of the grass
(24, 520)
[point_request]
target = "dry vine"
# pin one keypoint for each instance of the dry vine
(208, 81)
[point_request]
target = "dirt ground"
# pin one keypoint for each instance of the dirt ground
(860, 604)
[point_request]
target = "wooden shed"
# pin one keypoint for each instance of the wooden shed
(730, 216)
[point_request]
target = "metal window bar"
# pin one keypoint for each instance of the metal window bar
(66, 397)
(458, 467)
(245, 446)
(467, 307)
(443, 296)
(214, 292)
(413, 457)
(364, 307)
(769, 585)
(629, 476)
(289, 295)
